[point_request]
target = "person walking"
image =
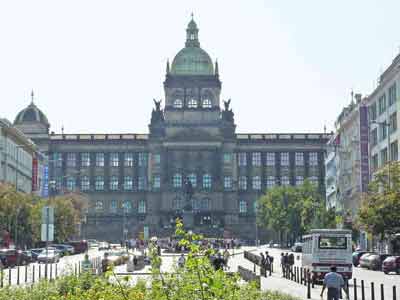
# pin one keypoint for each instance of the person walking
(105, 263)
(270, 260)
(283, 264)
(226, 258)
(334, 283)
(291, 263)
(181, 261)
(263, 270)
(87, 264)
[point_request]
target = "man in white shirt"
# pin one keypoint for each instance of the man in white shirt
(334, 282)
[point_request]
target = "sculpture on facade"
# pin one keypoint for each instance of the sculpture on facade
(157, 115)
(227, 113)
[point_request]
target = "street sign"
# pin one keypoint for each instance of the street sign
(44, 236)
(48, 215)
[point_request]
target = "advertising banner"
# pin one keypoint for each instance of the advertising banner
(45, 188)
(35, 172)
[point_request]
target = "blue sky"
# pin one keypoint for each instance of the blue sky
(288, 66)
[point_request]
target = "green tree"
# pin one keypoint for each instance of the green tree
(380, 209)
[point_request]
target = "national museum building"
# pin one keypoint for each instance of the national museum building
(192, 164)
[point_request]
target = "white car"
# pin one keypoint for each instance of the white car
(49, 256)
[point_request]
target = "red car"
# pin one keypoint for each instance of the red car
(12, 258)
(391, 264)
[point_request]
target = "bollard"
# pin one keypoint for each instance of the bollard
(18, 275)
(1, 277)
(394, 292)
(308, 286)
(305, 276)
(75, 270)
(51, 271)
(298, 275)
(372, 291)
(382, 292)
(254, 268)
(362, 290)
(355, 288)
(79, 268)
(294, 275)
(40, 271)
(313, 281)
(33, 274)
(56, 270)
(26, 273)
(9, 276)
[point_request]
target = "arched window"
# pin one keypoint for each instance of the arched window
(178, 103)
(177, 180)
(207, 181)
(207, 103)
(99, 205)
(192, 103)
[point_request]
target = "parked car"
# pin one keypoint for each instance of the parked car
(93, 243)
(35, 253)
(49, 256)
(104, 246)
(79, 246)
(64, 249)
(373, 261)
(357, 255)
(391, 264)
(27, 256)
(363, 261)
(13, 257)
(297, 247)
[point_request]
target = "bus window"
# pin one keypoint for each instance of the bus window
(332, 242)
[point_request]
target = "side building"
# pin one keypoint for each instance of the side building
(192, 163)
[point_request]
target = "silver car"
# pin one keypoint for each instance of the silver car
(49, 256)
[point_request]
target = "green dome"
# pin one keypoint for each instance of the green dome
(192, 61)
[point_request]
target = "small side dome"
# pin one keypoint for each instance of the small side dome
(31, 114)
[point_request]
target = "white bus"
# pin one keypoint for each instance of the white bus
(323, 248)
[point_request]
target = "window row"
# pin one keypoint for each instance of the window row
(99, 183)
(177, 180)
(270, 158)
(380, 159)
(193, 103)
(197, 204)
(125, 206)
(115, 159)
(379, 107)
(270, 182)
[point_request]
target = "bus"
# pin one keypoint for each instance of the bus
(323, 248)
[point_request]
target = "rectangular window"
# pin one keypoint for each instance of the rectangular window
(85, 159)
(71, 183)
(243, 183)
(284, 159)
(256, 159)
(375, 162)
(113, 183)
(299, 159)
(242, 159)
(157, 158)
(332, 242)
(71, 160)
(313, 159)
(256, 183)
(394, 151)
(156, 181)
(227, 158)
(242, 207)
(383, 130)
(372, 111)
(128, 183)
(141, 183)
(177, 180)
(85, 183)
(207, 181)
(142, 207)
(384, 157)
(99, 183)
(285, 180)
(374, 136)
(114, 159)
(128, 159)
(99, 159)
(57, 159)
(227, 182)
(313, 180)
(382, 104)
(299, 180)
(392, 94)
(113, 206)
(193, 179)
(142, 159)
(270, 159)
(270, 182)
(393, 122)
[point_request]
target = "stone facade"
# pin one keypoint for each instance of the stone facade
(142, 180)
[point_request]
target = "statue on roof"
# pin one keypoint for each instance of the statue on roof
(227, 113)
(157, 115)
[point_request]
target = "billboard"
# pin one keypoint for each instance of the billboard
(35, 173)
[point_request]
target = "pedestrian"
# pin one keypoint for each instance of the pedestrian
(263, 270)
(286, 263)
(87, 264)
(135, 262)
(270, 260)
(181, 261)
(218, 262)
(334, 282)
(283, 264)
(226, 258)
(105, 263)
(291, 262)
